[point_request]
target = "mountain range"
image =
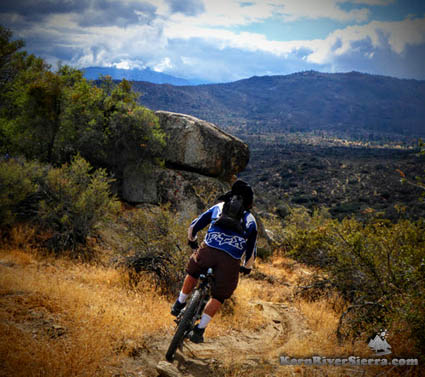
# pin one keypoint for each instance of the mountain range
(353, 103)
(147, 74)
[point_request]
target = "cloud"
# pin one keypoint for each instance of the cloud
(37, 9)
(190, 38)
(395, 36)
(87, 13)
(188, 7)
(374, 2)
(117, 13)
(292, 10)
(164, 65)
(228, 13)
(356, 47)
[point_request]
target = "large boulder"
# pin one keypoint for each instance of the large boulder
(198, 146)
(188, 192)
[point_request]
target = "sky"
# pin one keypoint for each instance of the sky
(225, 40)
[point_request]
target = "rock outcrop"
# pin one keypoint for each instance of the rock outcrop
(200, 161)
(199, 146)
(186, 191)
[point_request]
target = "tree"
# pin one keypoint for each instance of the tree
(107, 126)
(23, 80)
(52, 116)
(8, 55)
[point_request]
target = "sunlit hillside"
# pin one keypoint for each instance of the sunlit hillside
(62, 317)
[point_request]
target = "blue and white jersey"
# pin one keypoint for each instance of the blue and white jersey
(237, 245)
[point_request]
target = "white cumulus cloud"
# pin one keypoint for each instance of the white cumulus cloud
(195, 37)
(380, 35)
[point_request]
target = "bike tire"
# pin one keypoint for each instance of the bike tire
(183, 326)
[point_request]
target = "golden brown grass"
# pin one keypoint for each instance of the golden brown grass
(64, 318)
(311, 329)
(61, 318)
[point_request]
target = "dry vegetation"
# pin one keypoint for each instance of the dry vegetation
(59, 317)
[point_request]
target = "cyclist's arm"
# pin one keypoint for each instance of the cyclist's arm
(199, 223)
(251, 242)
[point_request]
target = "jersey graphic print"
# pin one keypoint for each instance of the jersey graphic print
(220, 239)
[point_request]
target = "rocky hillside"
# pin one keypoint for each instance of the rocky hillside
(352, 103)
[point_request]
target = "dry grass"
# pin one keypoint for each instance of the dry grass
(63, 318)
(60, 318)
(311, 329)
(238, 314)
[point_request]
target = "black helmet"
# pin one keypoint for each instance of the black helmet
(243, 189)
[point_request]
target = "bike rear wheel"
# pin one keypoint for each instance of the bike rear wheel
(184, 326)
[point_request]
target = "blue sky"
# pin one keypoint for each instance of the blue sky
(226, 40)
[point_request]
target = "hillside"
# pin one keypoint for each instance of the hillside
(147, 74)
(51, 308)
(353, 104)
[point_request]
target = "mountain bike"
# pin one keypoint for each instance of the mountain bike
(191, 313)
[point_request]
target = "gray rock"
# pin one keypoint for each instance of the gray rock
(200, 161)
(188, 191)
(140, 183)
(200, 146)
(185, 191)
(166, 369)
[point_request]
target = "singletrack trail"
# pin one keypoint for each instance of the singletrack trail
(248, 350)
(255, 351)
(99, 326)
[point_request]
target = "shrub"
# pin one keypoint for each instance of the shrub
(158, 240)
(305, 236)
(77, 201)
(378, 266)
(19, 180)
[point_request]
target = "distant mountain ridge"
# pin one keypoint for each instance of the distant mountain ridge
(357, 103)
(147, 74)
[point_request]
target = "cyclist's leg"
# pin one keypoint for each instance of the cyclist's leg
(198, 263)
(212, 307)
(226, 275)
(188, 284)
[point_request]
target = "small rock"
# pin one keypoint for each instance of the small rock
(259, 307)
(166, 369)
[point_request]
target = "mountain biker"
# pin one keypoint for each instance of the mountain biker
(223, 250)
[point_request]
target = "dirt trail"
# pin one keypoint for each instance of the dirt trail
(240, 351)
(247, 348)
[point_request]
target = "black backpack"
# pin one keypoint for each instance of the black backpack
(231, 215)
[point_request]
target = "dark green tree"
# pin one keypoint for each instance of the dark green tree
(52, 116)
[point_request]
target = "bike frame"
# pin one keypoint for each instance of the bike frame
(191, 313)
(204, 288)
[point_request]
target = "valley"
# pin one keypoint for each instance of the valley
(350, 179)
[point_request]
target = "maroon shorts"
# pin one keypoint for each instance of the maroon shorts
(226, 270)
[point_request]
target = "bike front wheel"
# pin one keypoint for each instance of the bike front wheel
(184, 326)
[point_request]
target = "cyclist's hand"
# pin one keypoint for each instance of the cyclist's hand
(193, 244)
(244, 270)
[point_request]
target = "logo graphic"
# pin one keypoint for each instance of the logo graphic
(379, 344)
(222, 239)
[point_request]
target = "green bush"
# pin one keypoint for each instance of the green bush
(77, 200)
(157, 239)
(19, 180)
(378, 266)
